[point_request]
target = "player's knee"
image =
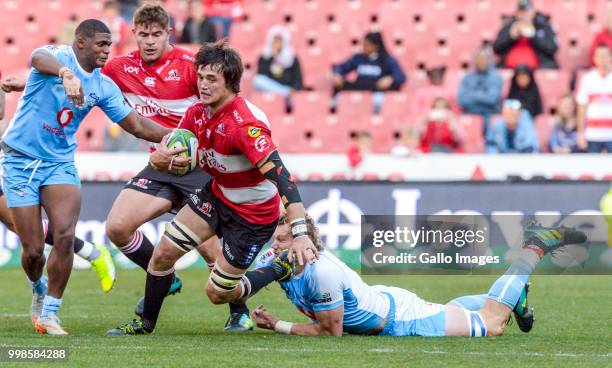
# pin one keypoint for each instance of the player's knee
(117, 232)
(63, 238)
(217, 297)
(221, 286)
(32, 255)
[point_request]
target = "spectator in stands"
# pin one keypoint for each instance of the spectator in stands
(362, 145)
(278, 69)
(424, 96)
(563, 138)
(222, 14)
(604, 37)
(376, 69)
(525, 89)
(66, 33)
(594, 99)
(120, 30)
(128, 8)
(480, 90)
(441, 133)
(198, 28)
(513, 132)
(526, 38)
(407, 144)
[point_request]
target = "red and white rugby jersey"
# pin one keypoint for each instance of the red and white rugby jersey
(595, 91)
(162, 91)
(231, 143)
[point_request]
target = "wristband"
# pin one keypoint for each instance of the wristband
(283, 327)
(298, 227)
(63, 70)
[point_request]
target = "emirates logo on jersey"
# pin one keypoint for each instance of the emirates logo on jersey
(150, 108)
(173, 75)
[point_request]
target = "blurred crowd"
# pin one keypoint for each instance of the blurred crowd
(524, 43)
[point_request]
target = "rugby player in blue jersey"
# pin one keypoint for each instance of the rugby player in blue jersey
(64, 84)
(338, 301)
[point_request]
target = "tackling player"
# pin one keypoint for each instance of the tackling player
(64, 85)
(337, 300)
(159, 81)
(241, 204)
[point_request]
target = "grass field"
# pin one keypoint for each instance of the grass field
(573, 328)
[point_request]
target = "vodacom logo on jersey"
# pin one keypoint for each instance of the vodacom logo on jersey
(64, 116)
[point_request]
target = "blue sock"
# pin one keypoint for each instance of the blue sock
(40, 286)
(470, 302)
(51, 305)
(508, 288)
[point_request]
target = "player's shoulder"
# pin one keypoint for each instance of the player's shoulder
(197, 108)
(325, 267)
(182, 54)
(246, 113)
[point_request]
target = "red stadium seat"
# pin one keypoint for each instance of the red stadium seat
(552, 84)
(473, 128)
(544, 129)
(271, 104)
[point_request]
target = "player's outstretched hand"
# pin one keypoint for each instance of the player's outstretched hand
(304, 250)
(263, 318)
(74, 90)
(164, 159)
(12, 84)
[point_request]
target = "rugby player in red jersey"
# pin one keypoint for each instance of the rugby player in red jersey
(240, 204)
(159, 81)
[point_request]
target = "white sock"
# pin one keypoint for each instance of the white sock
(89, 251)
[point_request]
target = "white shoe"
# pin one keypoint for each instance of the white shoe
(50, 325)
(37, 305)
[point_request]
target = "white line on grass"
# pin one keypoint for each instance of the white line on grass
(437, 352)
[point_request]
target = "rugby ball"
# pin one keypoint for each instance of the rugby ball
(184, 138)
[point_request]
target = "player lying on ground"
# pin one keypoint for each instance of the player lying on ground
(241, 204)
(38, 167)
(98, 256)
(338, 301)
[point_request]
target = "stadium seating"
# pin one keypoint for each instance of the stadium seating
(419, 33)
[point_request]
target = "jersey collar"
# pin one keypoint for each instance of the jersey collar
(88, 74)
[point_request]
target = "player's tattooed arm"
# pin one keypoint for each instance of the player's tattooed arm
(143, 128)
(273, 169)
(328, 323)
(46, 63)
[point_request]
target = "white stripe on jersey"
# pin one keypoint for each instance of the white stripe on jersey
(226, 163)
(260, 193)
(150, 106)
(258, 113)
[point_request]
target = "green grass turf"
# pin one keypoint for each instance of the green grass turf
(573, 328)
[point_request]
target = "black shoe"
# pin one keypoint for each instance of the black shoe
(238, 322)
(551, 238)
(523, 313)
(130, 328)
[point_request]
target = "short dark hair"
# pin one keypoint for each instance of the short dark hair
(222, 58)
(149, 14)
(89, 27)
